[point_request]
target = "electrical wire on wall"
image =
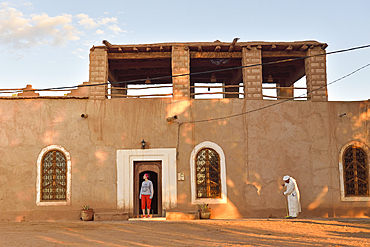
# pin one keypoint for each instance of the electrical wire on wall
(261, 108)
(191, 73)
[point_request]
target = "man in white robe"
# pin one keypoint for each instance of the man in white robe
(292, 192)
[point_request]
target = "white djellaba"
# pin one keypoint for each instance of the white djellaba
(292, 192)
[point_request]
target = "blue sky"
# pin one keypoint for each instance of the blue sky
(46, 43)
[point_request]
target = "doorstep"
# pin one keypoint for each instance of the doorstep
(148, 219)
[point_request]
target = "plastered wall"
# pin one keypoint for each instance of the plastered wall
(299, 138)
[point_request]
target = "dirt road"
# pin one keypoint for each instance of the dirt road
(246, 232)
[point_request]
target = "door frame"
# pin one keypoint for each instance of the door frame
(125, 174)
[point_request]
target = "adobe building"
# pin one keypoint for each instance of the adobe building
(93, 145)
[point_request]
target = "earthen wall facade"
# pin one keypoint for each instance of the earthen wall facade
(299, 138)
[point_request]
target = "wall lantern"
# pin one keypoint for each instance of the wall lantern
(143, 144)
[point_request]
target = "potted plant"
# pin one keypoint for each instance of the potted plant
(204, 210)
(87, 213)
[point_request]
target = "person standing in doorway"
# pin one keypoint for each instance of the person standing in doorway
(292, 192)
(146, 194)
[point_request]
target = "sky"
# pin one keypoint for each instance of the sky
(47, 43)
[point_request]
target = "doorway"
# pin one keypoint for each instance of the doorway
(154, 170)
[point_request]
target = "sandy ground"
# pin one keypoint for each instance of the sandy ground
(246, 232)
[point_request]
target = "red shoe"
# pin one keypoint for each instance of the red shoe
(148, 216)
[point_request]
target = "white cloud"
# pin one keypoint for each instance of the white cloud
(77, 53)
(100, 32)
(22, 32)
(104, 21)
(116, 29)
(28, 4)
(90, 23)
(86, 21)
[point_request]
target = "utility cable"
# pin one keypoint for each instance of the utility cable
(280, 102)
(192, 73)
(261, 108)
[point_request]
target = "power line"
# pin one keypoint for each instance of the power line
(261, 108)
(280, 102)
(192, 73)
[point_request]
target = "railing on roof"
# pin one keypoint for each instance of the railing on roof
(239, 93)
(138, 91)
(284, 97)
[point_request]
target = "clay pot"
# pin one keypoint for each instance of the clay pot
(87, 214)
(205, 214)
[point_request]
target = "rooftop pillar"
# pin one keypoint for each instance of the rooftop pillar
(316, 74)
(252, 76)
(98, 73)
(180, 65)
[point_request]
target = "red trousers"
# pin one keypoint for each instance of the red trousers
(145, 199)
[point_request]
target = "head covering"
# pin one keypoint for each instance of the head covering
(146, 175)
(286, 177)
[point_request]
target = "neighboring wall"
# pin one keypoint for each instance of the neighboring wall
(299, 138)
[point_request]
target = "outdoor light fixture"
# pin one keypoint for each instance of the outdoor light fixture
(270, 79)
(169, 119)
(143, 144)
(213, 78)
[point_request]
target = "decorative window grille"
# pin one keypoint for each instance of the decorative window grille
(355, 172)
(208, 180)
(54, 176)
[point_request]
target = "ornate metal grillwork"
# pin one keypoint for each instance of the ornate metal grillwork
(54, 176)
(208, 174)
(356, 171)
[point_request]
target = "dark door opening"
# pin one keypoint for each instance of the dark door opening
(154, 178)
(154, 169)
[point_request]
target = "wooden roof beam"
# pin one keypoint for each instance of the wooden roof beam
(142, 55)
(135, 49)
(231, 48)
(217, 48)
(148, 49)
(133, 64)
(273, 47)
(200, 48)
(289, 48)
(303, 48)
(161, 49)
(107, 44)
(111, 77)
(196, 54)
(266, 54)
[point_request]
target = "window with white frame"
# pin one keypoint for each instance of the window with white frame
(53, 176)
(354, 172)
(208, 174)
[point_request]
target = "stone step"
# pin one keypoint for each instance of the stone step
(111, 216)
(148, 219)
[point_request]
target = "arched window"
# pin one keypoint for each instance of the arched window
(355, 172)
(208, 174)
(53, 183)
(54, 176)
